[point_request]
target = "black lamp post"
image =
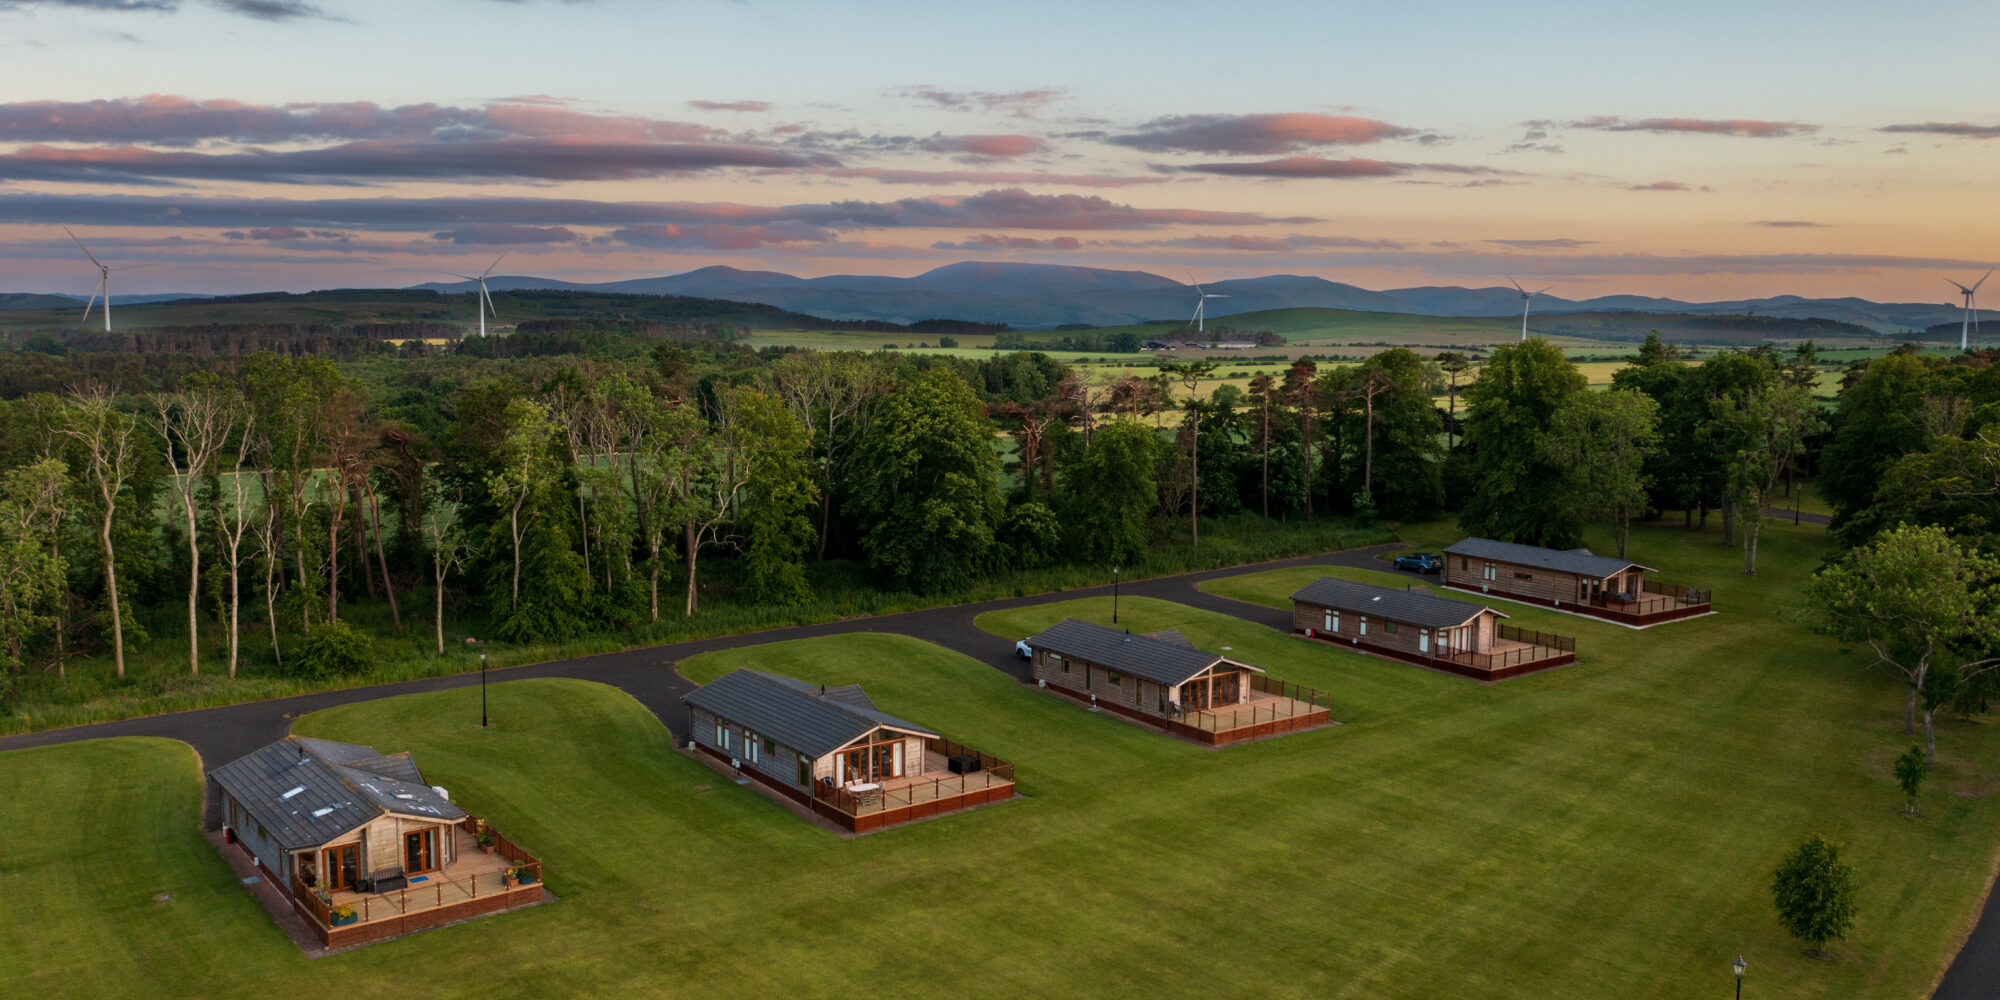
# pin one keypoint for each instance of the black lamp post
(1740, 966)
(1114, 595)
(482, 688)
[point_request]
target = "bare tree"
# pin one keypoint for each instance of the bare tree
(825, 389)
(232, 525)
(194, 424)
(105, 434)
(1190, 374)
(449, 551)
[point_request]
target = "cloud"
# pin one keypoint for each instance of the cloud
(262, 10)
(1016, 103)
(752, 107)
(674, 236)
(272, 10)
(278, 234)
(1297, 167)
(1259, 244)
(169, 120)
(1000, 208)
(1552, 244)
(376, 160)
(994, 147)
(1665, 186)
(886, 175)
(1745, 127)
(480, 233)
(1254, 135)
(991, 242)
(1792, 224)
(1965, 130)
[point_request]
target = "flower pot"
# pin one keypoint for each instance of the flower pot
(344, 921)
(487, 848)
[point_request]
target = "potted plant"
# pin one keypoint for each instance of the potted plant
(344, 914)
(524, 874)
(511, 877)
(486, 839)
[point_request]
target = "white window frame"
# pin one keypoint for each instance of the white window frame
(750, 745)
(1364, 626)
(1329, 622)
(1423, 640)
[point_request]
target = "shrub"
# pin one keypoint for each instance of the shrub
(335, 649)
(1814, 893)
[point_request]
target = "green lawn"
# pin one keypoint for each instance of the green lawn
(1605, 829)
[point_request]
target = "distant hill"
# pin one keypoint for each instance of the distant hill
(1043, 296)
(60, 300)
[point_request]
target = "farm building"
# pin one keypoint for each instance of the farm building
(361, 846)
(1163, 680)
(833, 752)
(1417, 626)
(1572, 580)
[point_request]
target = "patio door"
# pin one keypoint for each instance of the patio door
(420, 851)
(343, 866)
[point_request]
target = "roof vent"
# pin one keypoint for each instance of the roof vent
(293, 792)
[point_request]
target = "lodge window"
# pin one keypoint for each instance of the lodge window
(1364, 626)
(750, 745)
(1464, 564)
(1329, 621)
(770, 745)
(722, 734)
(805, 770)
(1389, 627)
(263, 834)
(1116, 677)
(1065, 664)
(1518, 575)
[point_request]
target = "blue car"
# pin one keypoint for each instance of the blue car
(1420, 562)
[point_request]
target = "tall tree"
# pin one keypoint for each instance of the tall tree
(450, 549)
(1454, 365)
(829, 392)
(1190, 375)
(104, 435)
(1108, 493)
(1604, 440)
(233, 519)
(194, 424)
(926, 486)
(32, 570)
(778, 494)
(1301, 393)
(1521, 496)
(1768, 427)
(1914, 595)
(1403, 443)
(527, 469)
(1261, 386)
(1875, 423)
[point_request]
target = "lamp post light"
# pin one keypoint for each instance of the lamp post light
(1739, 966)
(482, 688)
(1114, 595)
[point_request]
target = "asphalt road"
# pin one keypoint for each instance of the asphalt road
(222, 734)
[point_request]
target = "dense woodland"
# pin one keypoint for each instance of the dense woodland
(274, 503)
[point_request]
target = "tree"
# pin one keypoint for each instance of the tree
(1913, 595)
(1603, 440)
(925, 489)
(1190, 374)
(1814, 893)
(829, 391)
(32, 570)
(1875, 424)
(1521, 495)
(449, 548)
(1031, 536)
(195, 423)
(1261, 386)
(1911, 770)
(1768, 427)
(1402, 439)
(779, 490)
(1454, 366)
(526, 469)
(1109, 492)
(1301, 393)
(105, 436)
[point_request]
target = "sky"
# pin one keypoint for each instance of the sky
(1698, 150)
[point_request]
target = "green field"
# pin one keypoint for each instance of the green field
(1604, 829)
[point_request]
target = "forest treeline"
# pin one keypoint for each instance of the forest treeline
(248, 503)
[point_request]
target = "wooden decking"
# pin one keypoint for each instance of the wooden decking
(474, 884)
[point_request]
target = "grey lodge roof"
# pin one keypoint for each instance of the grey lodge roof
(1162, 661)
(1414, 607)
(306, 792)
(806, 717)
(1582, 562)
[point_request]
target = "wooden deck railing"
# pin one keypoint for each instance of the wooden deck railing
(1547, 640)
(434, 893)
(992, 771)
(1301, 701)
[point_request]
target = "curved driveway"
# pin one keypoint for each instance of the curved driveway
(227, 732)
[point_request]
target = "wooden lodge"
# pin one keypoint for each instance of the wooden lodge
(1576, 581)
(1416, 626)
(1163, 680)
(831, 751)
(361, 847)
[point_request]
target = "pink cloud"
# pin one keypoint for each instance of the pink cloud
(888, 176)
(1256, 134)
(1323, 168)
(480, 233)
(1961, 129)
(673, 236)
(752, 107)
(985, 146)
(991, 242)
(1664, 186)
(1746, 127)
(1260, 244)
(1017, 103)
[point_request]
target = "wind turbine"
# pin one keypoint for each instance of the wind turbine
(485, 303)
(1201, 304)
(1525, 296)
(103, 282)
(1971, 313)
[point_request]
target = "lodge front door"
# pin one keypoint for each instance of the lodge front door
(420, 851)
(343, 866)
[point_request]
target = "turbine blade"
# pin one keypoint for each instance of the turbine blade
(487, 297)
(467, 277)
(1981, 281)
(1215, 295)
(88, 307)
(1540, 291)
(1960, 287)
(1516, 284)
(496, 263)
(85, 249)
(135, 267)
